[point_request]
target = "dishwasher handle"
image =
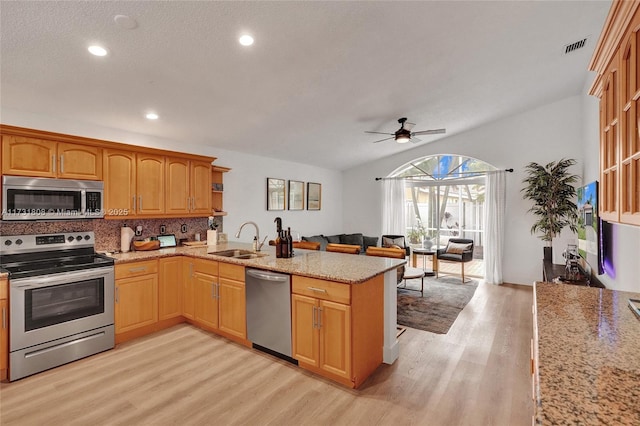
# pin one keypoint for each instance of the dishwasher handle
(267, 276)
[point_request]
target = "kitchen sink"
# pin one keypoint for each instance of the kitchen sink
(239, 254)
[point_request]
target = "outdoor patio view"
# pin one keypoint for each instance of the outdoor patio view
(445, 199)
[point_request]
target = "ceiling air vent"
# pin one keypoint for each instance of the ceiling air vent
(572, 47)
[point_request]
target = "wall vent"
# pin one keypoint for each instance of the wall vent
(572, 47)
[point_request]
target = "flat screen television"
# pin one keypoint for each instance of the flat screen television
(589, 226)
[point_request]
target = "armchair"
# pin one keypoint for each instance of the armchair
(458, 250)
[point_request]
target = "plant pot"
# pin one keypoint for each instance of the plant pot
(548, 254)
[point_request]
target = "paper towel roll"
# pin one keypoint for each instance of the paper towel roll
(126, 235)
(212, 237)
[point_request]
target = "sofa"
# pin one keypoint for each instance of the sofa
(356, 239)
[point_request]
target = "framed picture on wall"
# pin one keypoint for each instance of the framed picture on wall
(296, 195)
(314, 196)
(275, 194)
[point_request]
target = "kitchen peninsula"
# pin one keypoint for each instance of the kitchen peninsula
(363, 288)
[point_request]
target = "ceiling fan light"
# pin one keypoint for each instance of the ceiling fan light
(402, 138)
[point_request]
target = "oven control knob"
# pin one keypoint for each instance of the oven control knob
(7, 242)
(18, 241)
(86, 237)
(70, 239)
(79, 238)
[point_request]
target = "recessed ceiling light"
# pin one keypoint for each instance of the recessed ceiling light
(97, 50)
(246, 40)
(152, 116)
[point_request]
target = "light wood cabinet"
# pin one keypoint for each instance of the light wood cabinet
(136, 303)
(205, 309)
(617, 63)
(232, 300)
(133, 184)
(26, 156)
(187, 187)
(321, 333)
(170, 288)
(337, 328)
(4, 329)
(150, 184)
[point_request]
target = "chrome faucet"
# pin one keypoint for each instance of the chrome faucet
(260, 244)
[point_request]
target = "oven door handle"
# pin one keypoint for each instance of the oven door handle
(49, 280)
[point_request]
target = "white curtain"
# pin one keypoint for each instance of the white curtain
(495, 203)
(393, 206)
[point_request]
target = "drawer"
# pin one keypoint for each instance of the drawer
(4, 289)
(321, 289)
(231, 271)
(134, 269)
(209, 267)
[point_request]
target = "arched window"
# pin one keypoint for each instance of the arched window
(444, 199)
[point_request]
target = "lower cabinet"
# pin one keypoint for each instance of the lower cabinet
(337, 329)
(214, 297)
(4, 329)
(322, 334)
(170, 288)
(136, 295)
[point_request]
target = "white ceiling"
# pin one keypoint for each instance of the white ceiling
(318, 75)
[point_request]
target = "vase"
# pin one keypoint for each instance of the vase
(548, 254)
(427, 243)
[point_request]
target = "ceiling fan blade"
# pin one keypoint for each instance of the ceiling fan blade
(379, 133)
(382, 140)
(414, 140)
(408, 125)
(430, 132)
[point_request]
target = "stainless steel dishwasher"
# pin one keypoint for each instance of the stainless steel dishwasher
(269, 312)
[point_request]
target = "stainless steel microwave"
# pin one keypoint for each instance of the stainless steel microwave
(29, 198)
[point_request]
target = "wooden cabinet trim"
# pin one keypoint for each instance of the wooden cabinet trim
(321, 289)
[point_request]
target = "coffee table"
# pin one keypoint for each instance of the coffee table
(425, 252)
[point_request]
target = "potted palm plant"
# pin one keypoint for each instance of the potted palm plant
(551, 189)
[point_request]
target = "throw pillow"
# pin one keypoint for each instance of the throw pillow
(370, 242)
(355, 239)
(333, 239)
(457, 248)
(389, 242)
(317, 239)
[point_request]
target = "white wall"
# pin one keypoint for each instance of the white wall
(244, 186)
(542, 135)
(624, 241)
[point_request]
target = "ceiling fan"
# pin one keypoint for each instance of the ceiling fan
(404, 133)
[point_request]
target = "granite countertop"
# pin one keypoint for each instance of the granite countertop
(588, 356)
(345, 268)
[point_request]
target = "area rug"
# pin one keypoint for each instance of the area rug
(438, 309)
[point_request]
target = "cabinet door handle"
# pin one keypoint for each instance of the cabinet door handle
(4, 317)
(188, 204)
(313, 316)
(319, 290)
(193, 203)
(62, 164)
(213, 290)
(218, 290)
(140, 202)
(134, 203)
(53, 163)
(117, 295)
(319, 317)
(138, 269)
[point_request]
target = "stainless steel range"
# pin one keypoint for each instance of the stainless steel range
(61, 300)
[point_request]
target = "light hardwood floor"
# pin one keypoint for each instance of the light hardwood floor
(477, 374)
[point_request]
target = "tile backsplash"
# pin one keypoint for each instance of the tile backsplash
(108, 231)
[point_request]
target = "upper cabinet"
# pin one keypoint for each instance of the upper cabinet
(188, 183)
(26, 156)
(138, 181)
(617, 63)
